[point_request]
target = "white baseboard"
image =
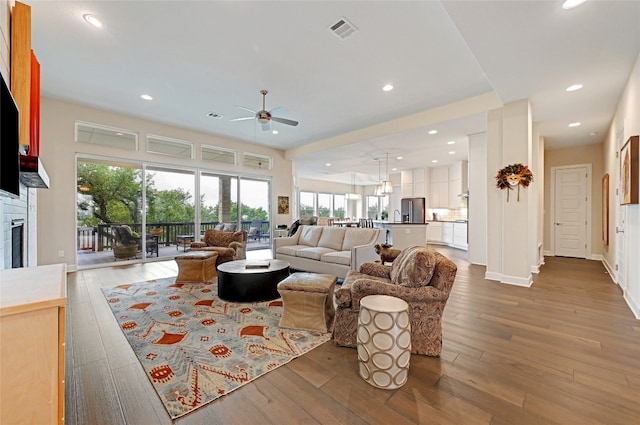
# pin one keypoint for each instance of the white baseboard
(493, 276)
(517, 281)
(609, 269)
(548, 254)
(633, 305)
(596, 257)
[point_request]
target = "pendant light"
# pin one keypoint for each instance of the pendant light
(387, 188)
(353, 195)
(378, 191)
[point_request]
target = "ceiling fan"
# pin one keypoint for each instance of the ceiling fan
(265, 117)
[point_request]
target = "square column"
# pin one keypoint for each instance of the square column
(509, 237)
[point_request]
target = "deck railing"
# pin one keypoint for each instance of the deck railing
(100, 237)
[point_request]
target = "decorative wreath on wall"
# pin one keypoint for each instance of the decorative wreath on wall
(514, 175)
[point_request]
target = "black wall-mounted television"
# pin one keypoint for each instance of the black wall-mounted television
(9, 143)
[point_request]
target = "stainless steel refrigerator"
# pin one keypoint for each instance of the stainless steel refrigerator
(412, 210)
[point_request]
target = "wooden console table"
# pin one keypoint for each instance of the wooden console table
(32, 332)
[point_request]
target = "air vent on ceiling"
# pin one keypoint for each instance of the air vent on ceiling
(215, 115)
(343, 28)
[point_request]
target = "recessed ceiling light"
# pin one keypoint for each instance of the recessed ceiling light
(593, 133)
(452, 152)
(398, 157)
(119, 134)
(394, 169)
(275, 132)
(574, 87)
(574, 124)
(434, 160)
(451, 142)
(328, 164)
(570, 4)
(92, 20)
(146, 97)
(387, 87)
(433, 131)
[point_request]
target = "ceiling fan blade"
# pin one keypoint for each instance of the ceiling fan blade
(280, 110)
(285, 121)
(243, 119)
(246, 109)
(266, 127)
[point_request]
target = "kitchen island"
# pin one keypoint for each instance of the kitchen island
(402, 235)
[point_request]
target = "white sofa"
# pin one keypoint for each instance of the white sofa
(327, 249)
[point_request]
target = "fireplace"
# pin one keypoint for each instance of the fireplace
(17, 243)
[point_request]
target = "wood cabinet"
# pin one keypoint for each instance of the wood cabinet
(32, 334)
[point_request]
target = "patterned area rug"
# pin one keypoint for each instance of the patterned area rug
(195, 347)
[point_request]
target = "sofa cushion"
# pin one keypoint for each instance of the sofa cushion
(337, 257)
(332, 237)
(310, 235)
(219, 226)
(356, 237)
(313, 253)
(414, 267)
(290, 249)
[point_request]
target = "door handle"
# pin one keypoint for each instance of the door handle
(558, 224)
(619, 230)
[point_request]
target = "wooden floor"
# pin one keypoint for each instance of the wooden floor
(565, 351)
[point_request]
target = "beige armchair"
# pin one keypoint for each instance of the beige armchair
(420, 276)
(230, 246)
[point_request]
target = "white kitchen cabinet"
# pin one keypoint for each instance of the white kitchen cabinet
(460, 235)
(439, 187)
(413, 183)
(434, 232)
(458, 184)
(447, 233)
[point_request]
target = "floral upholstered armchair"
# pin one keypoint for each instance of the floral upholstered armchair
(420, 276)
(230, 246)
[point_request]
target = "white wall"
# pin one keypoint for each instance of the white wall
(627, 120)
(56, 205)
(478, 183)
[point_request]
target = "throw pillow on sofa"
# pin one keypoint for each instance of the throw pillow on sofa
(414, 267)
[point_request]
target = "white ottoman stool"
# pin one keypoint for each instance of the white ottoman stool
(384, 341)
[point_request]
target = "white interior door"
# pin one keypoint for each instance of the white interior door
(570, 213)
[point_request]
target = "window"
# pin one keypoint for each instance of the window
(324, 204)
(216, 154)
(106, 136)
(378, 207)
(255, 160)
(339, 206)
(307, 204)
(167, 146)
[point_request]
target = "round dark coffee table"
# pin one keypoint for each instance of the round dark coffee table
(238, 283)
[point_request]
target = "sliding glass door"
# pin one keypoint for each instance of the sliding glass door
(155, 206)
(170, 212)
(108, 197)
